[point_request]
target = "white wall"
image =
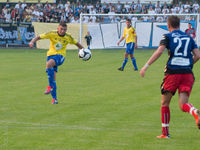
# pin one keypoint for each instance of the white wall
(107, 35)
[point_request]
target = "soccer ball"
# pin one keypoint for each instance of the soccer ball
(84, 54)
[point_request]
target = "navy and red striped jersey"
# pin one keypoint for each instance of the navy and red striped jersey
(180, 46)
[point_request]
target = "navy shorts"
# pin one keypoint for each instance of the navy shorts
(130, 48)
(59, 59)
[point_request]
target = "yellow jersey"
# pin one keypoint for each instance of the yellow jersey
(129, 34)
(58, 43)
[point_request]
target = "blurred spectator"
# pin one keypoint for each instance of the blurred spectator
(60, 5)
(151, 11)
(21, 10)
(4, 11)
(92, 11)
(139, 5)
(158, 9)
(158, 5)
(39, 5)
(159, 18)
(47, 6)
(165, 10)
(186, 5)
(118, 7)
(106, 9)
(7, 4)
(124, 11)
(93, 19)
(24, 4)
(17, 5)
(86, 19)
(137, 10)
(173, 10)
(8, 17)
(150, 5)
(195, 7)
(110, 5)
(127, 7)
(67, 4)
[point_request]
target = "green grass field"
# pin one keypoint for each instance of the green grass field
(99, 107)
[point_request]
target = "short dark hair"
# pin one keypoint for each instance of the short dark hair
(63, 24)
(129, 20)
(174, 21)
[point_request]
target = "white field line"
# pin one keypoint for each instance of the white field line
(30, 125)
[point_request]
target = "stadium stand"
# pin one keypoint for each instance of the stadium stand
(69, 11)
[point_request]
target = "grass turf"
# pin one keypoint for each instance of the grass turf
(100, 108)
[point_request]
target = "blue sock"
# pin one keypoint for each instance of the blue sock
(50, 73)
(124, 63)
(88, 47)
(53, 92)
(134, 63)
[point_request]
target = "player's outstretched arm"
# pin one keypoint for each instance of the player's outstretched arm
(152, 59)
(79, 45)
(35, 39)
(196, 55)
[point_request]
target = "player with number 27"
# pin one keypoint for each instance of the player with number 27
(183, 53)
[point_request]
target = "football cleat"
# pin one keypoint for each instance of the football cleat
(48, 90)
(120, 69)
(135, 69)
(54, 101)
(163, 136)
(197, 118)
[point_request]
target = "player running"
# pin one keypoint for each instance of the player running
(131, 43)
(183, 53)
(56, 54)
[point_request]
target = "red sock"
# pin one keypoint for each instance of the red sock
(165, 118)
(188, 108)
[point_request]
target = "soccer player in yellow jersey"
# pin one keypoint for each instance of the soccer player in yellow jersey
(131, 42)
(59, 40)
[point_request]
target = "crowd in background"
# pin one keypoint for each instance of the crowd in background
(70, 12)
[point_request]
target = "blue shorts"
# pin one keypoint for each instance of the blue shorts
(59, 59)
(130, 48)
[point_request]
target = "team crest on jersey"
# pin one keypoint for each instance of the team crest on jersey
(58, 46)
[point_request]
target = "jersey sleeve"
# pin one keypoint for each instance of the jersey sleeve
(72, 40)
(194, 45)
(124, 34)
(134, 31)
(45, 35)
(165, 41)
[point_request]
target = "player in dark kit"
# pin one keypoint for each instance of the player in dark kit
(88, 39)
(191, 31)
(183, 53)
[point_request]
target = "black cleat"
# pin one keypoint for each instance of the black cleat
(120, 69)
